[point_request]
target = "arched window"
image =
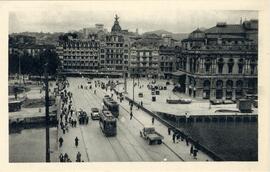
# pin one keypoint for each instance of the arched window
(240, 66)
(219, 91)
(219, 84)
(220, 65)
(229, 84)
(206, 85)
(230, 65)
(207, 64)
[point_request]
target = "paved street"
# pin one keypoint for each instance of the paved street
(127, 145)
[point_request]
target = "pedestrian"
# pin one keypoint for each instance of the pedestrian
(66, 127)
(71, 122)
(87, 119)
(187, 140)
(169, 131)
(178, 137)
(61, 140)
(191, 149)
(63, 130)
(66, 118)
(65, 157)
(61, 124)
(76, 141)
(61, 117)
(131, 115)
(173, 137)
(78, 157)
(61, 157)
(195, 151)
(75, 123)
(153, 120)
(141, 103)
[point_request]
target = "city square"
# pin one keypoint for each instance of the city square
(105, 93)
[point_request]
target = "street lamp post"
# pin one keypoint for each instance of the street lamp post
(47, 114)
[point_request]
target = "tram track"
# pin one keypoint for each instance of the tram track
(114, 148)
(175, 153)
(135, 147)
(119, 142)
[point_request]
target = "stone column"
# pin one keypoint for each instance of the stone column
(223, 93)
(187, 85)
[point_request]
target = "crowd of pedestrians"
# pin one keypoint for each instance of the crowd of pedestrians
(68, 117)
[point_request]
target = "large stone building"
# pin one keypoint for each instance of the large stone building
(115, 51)
(167, 60)
(144, 61)
(79, 55)
(220, 62)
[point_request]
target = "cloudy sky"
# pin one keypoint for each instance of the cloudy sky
(63, 19)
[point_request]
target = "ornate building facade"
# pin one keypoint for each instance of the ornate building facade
(144, 61)
(80, 55)
(167, 60)
(220, 62)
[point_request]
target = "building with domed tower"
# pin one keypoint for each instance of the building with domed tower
(220, 62)
(115, 51)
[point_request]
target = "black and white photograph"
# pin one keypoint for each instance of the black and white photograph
(118, 83)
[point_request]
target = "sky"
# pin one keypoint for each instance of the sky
(60, 19)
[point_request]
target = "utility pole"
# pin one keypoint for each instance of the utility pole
(47, 114)
(125, 83)
(133, 85)
(20, 70)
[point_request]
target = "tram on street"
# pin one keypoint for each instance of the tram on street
(108, 123)
(111, 105)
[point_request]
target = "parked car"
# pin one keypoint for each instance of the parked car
(95, 114)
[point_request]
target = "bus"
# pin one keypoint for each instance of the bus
(107, 123)
(111, 105)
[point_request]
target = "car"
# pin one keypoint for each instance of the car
(151, 135)
(95, 114)
(140, 94)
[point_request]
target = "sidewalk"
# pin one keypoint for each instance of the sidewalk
(69, 140)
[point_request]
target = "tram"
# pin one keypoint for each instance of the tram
(108, 123)
(111, 105)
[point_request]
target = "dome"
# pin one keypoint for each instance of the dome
(116, 27)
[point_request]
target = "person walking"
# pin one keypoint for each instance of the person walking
(61, 140)
(65, 157)
(195, 151)
(169, 131)
(78, 157)
(61, 157)
(153, 120)
(131, 115)
(173, 137)
(191, 150)
(76, 142)
(187, 140)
